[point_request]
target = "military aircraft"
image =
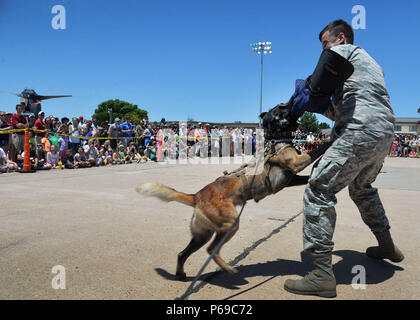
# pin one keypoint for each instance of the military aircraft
(32, 101)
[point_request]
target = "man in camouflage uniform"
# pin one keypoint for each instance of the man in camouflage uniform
(362, 135)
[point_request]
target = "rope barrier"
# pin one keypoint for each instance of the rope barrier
(12, 131)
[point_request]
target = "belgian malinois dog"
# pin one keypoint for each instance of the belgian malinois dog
(215, 204)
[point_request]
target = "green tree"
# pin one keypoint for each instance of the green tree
(309, 123)
(120, 109)
(323, 125)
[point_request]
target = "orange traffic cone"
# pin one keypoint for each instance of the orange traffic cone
(27, 157)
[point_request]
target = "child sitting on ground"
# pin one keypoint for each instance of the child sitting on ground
(53, 157)
(68, 161)
(108, 157)
(81, 159)
(125, 157)
(101, 157)
(116, 158)
(133, 153)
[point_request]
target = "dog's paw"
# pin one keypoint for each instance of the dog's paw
(181, 276)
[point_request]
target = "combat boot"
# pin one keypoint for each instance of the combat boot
(386, 248)
(320, 282)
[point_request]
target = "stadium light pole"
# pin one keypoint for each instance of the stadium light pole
(261, 48)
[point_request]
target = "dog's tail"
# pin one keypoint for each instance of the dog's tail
(165, 193)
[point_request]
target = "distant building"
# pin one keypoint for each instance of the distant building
(237, 124)
(407, 125)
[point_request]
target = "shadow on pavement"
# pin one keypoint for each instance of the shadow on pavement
(377, 271)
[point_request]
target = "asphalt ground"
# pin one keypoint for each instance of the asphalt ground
(115, 244)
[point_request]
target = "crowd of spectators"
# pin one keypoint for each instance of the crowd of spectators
(82, 143)
(308, 141)
(406, 146)
(76, 143)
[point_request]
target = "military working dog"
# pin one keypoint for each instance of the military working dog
(215, 204)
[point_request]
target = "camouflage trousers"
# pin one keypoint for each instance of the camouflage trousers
(354, 160)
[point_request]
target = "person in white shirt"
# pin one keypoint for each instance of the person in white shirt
(74, 142)
(310, 137)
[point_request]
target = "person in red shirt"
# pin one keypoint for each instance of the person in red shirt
(19, 122)
(39, 125)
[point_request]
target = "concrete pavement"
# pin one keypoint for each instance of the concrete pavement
(115, 244)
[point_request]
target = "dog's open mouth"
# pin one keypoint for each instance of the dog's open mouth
(275, 124)
(278, 130)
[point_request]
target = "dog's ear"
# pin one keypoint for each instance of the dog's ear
(262, 115)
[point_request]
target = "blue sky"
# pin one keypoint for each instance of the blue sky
(192, 59)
